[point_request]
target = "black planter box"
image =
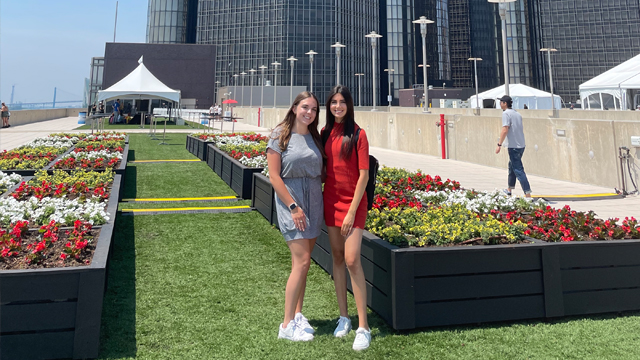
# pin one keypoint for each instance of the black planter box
(56, 313)
(232, 172)
(441, 286)
(198, 147)
(211, 157)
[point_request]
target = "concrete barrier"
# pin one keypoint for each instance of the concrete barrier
(22, 117)
(578, 146)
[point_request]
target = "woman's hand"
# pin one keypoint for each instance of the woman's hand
(299, 220)
(347, 224)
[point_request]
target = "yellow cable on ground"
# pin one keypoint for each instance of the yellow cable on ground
(188, 209)
(181, 199)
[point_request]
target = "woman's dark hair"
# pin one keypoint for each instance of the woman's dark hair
(285, 127)
(348, 138)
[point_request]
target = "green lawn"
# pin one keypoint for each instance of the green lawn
(205, 286)
(171, 125)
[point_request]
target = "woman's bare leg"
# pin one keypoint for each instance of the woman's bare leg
(339, 270)
(304, 284)
(352, 250)
(301, 260)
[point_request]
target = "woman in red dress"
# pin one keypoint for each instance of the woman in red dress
(345, 207)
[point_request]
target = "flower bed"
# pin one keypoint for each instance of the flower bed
(53, 313)
(8, 180)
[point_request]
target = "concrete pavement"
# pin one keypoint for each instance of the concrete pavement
(469, 175)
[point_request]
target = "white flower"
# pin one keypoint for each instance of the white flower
(61, 210)
(254, 162)
(479, 202)
(92, 155)
(54, 141)
(7, 181)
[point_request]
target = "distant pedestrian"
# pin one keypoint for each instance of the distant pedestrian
(572, 107)
(525, 107)
(101, 107)
(212, 110)
(5, 116)
(513, 131)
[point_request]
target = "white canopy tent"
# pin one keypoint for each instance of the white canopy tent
(615, 82)
(139, 84)
(521, 95)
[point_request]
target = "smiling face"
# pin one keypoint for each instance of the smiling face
(338, 107)
(306, 111)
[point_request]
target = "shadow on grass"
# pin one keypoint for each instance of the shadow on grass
(118, 332)
(132, 155)
(130, 190)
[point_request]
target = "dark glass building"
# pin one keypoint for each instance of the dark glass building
(249, 33)
(591, 37)
(172, 21)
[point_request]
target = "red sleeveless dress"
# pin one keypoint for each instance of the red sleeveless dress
(342, 178)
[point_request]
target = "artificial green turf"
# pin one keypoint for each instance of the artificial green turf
(205, 286)
(142, 147)
(171, 125)
(182, 204)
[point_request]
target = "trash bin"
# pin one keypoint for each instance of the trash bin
(82, 117)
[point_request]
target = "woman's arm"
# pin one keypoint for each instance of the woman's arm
(274, 161)
(347, 224)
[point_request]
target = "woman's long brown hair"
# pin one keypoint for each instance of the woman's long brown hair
(286, 126)
(348, 138)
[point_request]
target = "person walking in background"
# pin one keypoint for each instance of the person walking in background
(295, 159)
(513, 131)
(5, 116)
(345, 212)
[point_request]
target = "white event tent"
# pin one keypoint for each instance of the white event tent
(139, 84)
(615, 82)
(521, 95)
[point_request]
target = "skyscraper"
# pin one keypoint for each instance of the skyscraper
(249, 34)
(172, 21)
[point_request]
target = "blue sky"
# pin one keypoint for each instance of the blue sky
(50, 43)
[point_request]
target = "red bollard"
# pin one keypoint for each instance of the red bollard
(442, 125)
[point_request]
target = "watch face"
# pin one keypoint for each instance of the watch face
(293, 206)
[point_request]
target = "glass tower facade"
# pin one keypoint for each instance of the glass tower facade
(172, 21)
(591, 37)
(251, 33)
(96, 77)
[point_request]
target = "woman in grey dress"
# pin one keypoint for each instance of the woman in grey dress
(295, 159)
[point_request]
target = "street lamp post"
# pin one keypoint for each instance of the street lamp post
(235, 88)
(311, 53)
(275, 82)
(374, 44)
(475, 70)
(252, 72)
(359, 89)
(504, 4)
(292, 62)
(262, 67)
(338, 48)
(389, 97)
(423, 21)
(425, 93)
(549, 50)
(215, 94)
(242, 95)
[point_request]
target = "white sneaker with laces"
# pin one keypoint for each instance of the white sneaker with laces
(293, 333)
(363, 339)
(343, 328)
(303, 323)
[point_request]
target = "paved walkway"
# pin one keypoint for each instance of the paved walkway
(469, 175)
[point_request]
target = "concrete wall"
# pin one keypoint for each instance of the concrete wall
(587, 151)
(21, 117)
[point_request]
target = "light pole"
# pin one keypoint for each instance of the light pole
(374, 44)
(425, 92)
(423, 21)
(252, 72)
(389, 97)
(275, 82)
(292, 62)
(549, 50)
(475, 70)
(338, 48)
(215, 97)
(235, 90)
(311, 53)
(359, 89)
(504, 4)
(242, 96)
(262, 67)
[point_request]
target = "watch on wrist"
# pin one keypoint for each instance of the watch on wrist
(499, 144)
(293, 206)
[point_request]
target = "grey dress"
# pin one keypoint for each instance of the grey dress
(300, 170)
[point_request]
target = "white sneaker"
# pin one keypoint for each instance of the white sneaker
(363, 339)
(303, 323)
(293, 333)
(343, 328)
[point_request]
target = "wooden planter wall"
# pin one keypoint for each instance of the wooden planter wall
(198, 147)
(232, 172)
(56, 313)
(439, 286)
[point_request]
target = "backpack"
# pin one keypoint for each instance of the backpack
(373, 170)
